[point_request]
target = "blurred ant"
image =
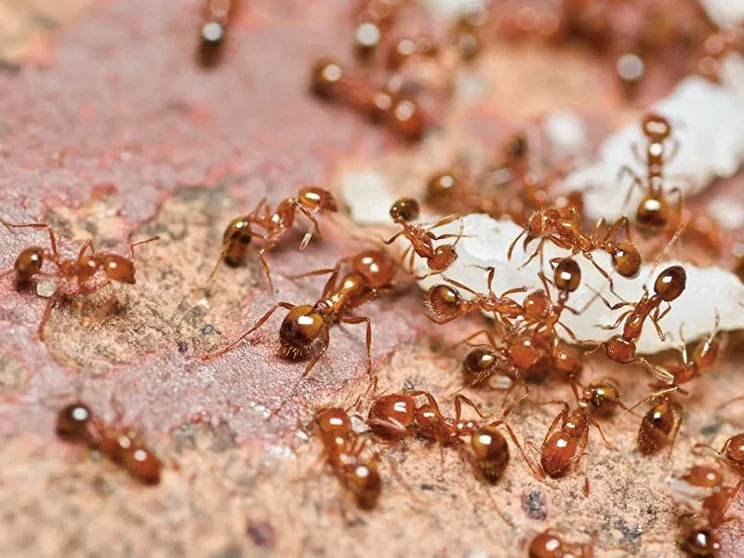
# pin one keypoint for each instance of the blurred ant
(343, 451)
(565, 447)
(76, 275)
(400, 113)
(408, 48)
(218, 15)
(438, 259)
(715, 48)
(668, 287)
(549, 545)
(305, 329)
(374, 18)
(238, 236)
(76, 423)
(653, 213)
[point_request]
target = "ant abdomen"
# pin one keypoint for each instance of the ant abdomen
(405, 210)
(655, 429)
(300, 328)
(671, 283)
(444, 256)
(626, 260)
(143, 465)
(364, 481)
(491, 452)
(558, 453)
(236, 241)
(28, 263)
(478, 366)
(118, 268)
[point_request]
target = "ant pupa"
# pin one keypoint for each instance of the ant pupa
(239, 234)
(76, 276)
(305, 329)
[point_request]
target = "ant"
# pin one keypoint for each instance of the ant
(601, 397)
(549, 545)
(238, 236)
(76, 423)
(342, 450)
(400, 113)
(305, 329)
(407, 48)
(653, 212)
(668, 287)
(218, 15)
(438, 259)
(75, 275)
(397, 415)
(447, 305)
(732, 452)
(563, 447)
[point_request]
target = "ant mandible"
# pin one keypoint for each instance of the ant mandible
(305, 329)
(76, 423)
(343, 451)
(668, 287)
(438, 259)
(653, 213)
(81, 270)
(238, 236)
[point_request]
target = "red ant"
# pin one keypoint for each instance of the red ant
(438, 259)
(653, 213)
(75, 275)
(305, 329)
(310, 201)
(400, 113)
(564, 447)
(343, 450)
(715, 48)
(601, 397)
(549, 545)
(218, 15)
(669, 285)
(76, 423)
(732, 452)
(397, 415)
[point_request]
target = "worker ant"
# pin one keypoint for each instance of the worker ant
(397, 415)
(305, 329)
(330, 81)
(601, 397)
(668, 287)
(653, 213)
(239, 234)
(218, 16)
(76, 276)
(438, 259)
(76, 423)
(731, 453)
(549, 545)
(564, 447)
(343, 451)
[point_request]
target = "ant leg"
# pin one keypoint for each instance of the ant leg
(514, 243)
(460, 286)
(673, 152)
(459, 399)
(444, 221)
(607, 443)
(568, 330)
(677, 428)
(619, 320)
(535, 472)
(364, 320)
(637, 154)
(87, 244)
(393, 238)
(315, 229)
(636, 182)
(138, 243)
(588, 256)
(264, 263)
(486, 332)
(259, 323)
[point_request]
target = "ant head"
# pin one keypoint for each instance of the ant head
(239, 230)
(29, 263)
(618, 349)
(326, 76)
(396, 409)
(478, 364)
(301, 327)
(317, 199)
(72, 422)
(489, 444)
(118, 268)
(626, 260)
(652, 213)
(444, 256)
(600, 397)
(536, 305)
(443, 301)
(567, 275)
(656, 128)
(405, 210)
(377, 268)
(671, 283)
(441, 187)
